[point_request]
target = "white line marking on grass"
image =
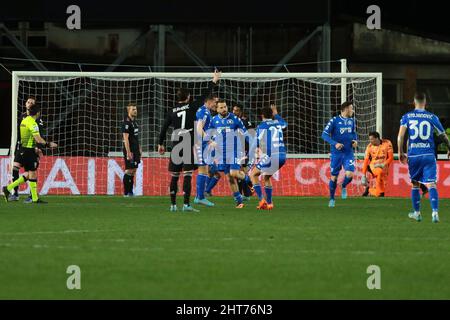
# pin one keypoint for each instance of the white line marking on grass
(218, 250)
(53, 232)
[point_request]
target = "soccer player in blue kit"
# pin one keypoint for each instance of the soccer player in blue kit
(203, 120)
(340, 133)
(227, 127)
(269, 142)
(420, 125)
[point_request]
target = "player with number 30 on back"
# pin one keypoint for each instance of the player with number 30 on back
(420, 125)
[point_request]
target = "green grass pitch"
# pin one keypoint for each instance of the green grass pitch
(137, 249)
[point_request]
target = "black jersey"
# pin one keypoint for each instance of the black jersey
(182, 117)
(247, 123)
(131, 127)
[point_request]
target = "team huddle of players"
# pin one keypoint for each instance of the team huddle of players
(209, 137)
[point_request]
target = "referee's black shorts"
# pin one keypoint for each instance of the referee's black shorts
(28, 158)
(17, 157)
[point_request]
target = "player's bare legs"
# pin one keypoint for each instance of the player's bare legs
(348, 178)
(254, 176)
(202, 176)
(213, 179)
(240, 175)
(245, 186)
(187, 187)
(434, 201)
(332, 186)
(203, 172)
(415, 197)
(173, 190)
(232, 176)
(268, 190)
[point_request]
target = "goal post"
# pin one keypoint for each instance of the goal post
(82, 112)
(14, 116)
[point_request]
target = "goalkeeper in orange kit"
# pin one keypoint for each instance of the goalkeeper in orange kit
(379, 155)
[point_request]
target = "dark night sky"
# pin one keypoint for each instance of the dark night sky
(427, 16)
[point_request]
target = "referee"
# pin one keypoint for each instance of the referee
(31, 101)
(30, 138)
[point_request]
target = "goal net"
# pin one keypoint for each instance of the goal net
(83, 112)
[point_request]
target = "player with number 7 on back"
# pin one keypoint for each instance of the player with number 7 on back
(182, 118)
(420, 125)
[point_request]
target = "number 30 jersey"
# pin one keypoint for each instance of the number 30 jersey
(421, 125)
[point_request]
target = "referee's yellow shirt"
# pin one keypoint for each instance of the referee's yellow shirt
(28, 129)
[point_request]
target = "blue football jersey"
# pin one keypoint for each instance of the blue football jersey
(340, 130)
(421, 125)
(269, 136)
(227, 130)
(203, 115)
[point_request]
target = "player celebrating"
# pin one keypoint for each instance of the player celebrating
(340, 133)
(213, 174)
(379, 155)
(269, 141)
(182, 119)
(203, 117)
(29, 138)
(131, 150)
(420, 125)
(227, 126)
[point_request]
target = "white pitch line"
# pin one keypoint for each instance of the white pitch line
(227, 239)
(54, 232)
(217, 250)
(83, 231)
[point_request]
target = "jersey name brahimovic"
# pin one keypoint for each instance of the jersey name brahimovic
(182, 108)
